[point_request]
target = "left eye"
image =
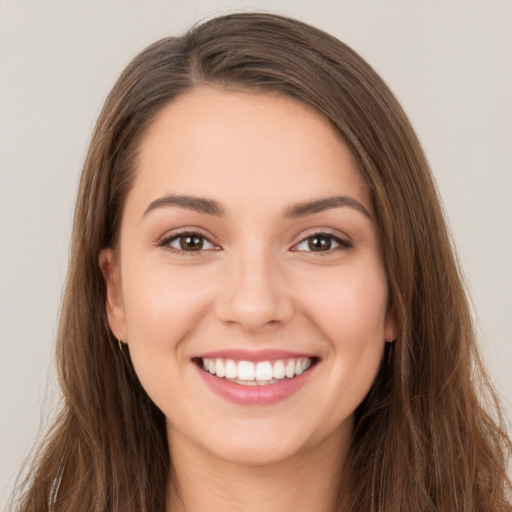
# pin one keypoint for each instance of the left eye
(320, 242)
(189, 242)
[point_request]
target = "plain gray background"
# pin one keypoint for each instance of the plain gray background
(449, 62)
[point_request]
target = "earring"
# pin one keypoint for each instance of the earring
(121, 348)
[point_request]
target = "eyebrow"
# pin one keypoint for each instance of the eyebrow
(212, 207)
(320, 205)
(198, 204)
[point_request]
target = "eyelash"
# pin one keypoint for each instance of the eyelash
(166, 242)
(342, 244)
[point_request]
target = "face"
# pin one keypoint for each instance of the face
(248, 282)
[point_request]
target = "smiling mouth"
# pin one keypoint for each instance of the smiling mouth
(262, 373)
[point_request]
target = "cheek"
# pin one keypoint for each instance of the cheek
(348, 304)
(163, 306)
(349, 308)
(163, 309)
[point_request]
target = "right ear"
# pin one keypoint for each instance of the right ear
(111, 271)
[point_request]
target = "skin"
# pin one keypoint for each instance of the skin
(255, 284)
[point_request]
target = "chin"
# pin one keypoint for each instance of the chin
(258, 452)
(245, 441)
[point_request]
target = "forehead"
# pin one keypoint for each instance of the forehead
(244, 145)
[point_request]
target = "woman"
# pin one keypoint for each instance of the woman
(263, 311)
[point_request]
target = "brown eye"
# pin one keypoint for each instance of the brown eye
(319, 243)
(188, 242)
(322, 242)
(191, 242)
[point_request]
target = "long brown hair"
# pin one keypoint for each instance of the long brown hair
(424, 439)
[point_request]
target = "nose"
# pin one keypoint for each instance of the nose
(255, 296)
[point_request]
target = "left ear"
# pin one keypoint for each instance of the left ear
(114, 305)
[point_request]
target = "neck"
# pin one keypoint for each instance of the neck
(306, 481)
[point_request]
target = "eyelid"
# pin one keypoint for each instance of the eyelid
(343, 242)
(166, 239)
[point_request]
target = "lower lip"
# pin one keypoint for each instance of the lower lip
(255, 395)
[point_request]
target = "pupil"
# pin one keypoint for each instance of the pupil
(191, 243)
(319, 243)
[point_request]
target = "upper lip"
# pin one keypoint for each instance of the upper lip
(243, 354)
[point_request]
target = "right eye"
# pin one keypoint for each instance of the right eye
(188, 242)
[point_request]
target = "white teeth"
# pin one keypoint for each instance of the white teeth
(220, 371)
(302, 365)
(246, 370)
(263, 371)
(278, 370)
(254, 374)
(231, 369)
(290, 369)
